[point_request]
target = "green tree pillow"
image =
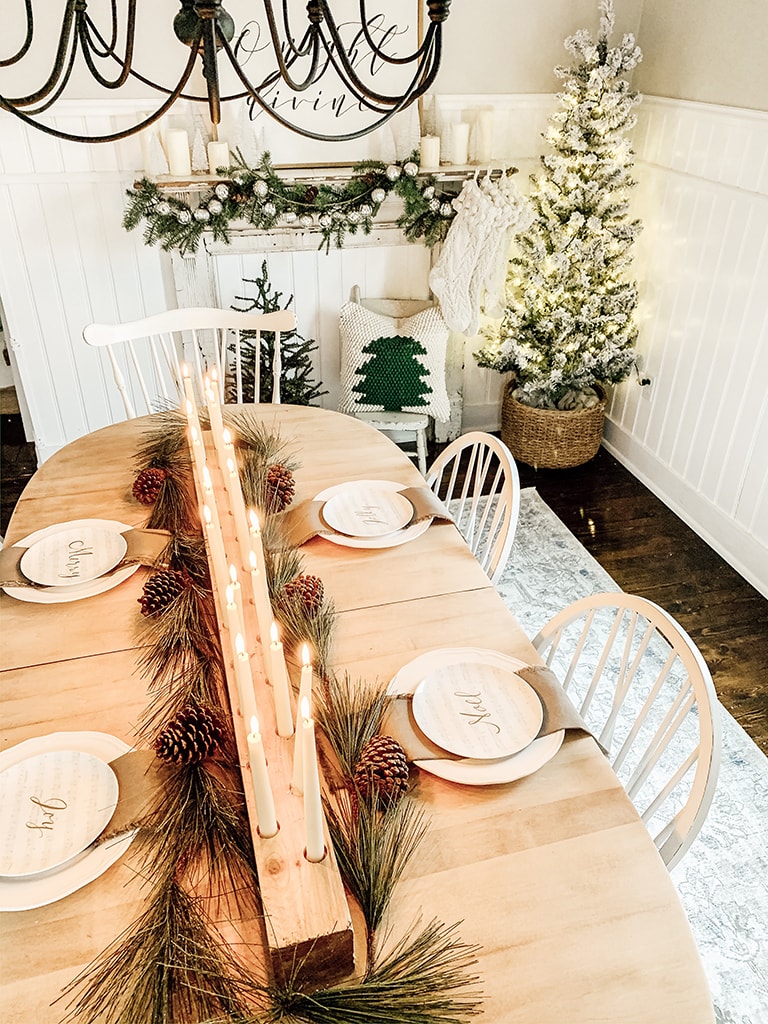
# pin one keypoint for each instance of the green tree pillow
(396, 365)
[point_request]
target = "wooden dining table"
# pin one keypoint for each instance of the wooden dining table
(553, 876)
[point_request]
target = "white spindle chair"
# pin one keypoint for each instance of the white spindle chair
(146, 355)
(476, 477)
(644, 689)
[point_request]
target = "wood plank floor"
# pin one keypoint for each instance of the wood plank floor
(645, 547)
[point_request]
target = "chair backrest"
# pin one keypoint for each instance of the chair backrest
(645, 691)
(147, 355)
(476, 477)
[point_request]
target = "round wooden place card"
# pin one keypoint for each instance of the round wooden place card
(74, 554)
(367, 511)
(54, 805)
(478, 711)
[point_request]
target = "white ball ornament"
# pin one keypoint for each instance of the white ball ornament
(202, 215)
(163, 209)
(184, 217)
(215, 207)
(378, 195)
(353, 217)
(393, 172)
(306, 220)
(222, 192)
(269, 209)
(260, 188)
(429, 192)
(289, 216)
(411, 169)
(325, 220)
(446, 210)
(434, 205)
(366, 210)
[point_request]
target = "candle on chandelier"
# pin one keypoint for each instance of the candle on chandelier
(244, 679)
(278, 676)
(260, 591)
(305, 698)
(262, 791)
(237, 505)
(313, 808)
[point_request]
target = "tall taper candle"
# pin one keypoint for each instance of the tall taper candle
(278, 676)
(214, 415)
(305, 694)
(237, 505)
(260, 599)
(215, 546)
(262, 791)
(237, 593)
(234, 618)
(244, 679)
(313, 808)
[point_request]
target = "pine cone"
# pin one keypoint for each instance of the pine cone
(306, 588)
(310, 193)
(192, 736)
(280, 487)
(160, 590)
(148, 484)
(382, 770)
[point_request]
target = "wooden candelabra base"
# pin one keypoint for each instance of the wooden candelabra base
(307, 923)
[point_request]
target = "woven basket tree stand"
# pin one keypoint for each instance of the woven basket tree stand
(549, 438)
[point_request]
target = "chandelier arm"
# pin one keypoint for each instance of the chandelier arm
(115, 136)
(125, 62)
(283, 65)
(211, 68)
(298, 51)
(340, 61)
(385, 58)
(109, 48)
(27, 41)
(60, 59)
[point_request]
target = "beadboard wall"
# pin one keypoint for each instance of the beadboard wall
(697, 436)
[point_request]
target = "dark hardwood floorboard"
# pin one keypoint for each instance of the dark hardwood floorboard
(645, 547)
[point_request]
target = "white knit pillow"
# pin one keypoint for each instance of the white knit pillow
(395, 365)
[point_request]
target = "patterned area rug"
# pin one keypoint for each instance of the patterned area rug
(723, 879)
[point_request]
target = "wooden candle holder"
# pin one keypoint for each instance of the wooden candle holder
(307, 922)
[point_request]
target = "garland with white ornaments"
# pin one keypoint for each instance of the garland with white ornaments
(262, 198)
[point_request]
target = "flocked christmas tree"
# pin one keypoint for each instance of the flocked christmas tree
(297, 385)
(391, 378)
(568, 321)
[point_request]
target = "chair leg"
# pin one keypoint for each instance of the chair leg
(421, 450)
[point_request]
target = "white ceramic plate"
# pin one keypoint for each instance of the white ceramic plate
(73, 554)
(54, 805)
(477, 710)
(388, 540)
(40, 890)
(365, 511)
(57, 595)
(469, 771)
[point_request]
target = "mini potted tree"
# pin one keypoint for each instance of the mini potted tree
(567, 329)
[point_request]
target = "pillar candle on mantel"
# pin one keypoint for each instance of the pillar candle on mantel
(314, 836)
(278, 676)
(262, 791)
(244, 678)
(237, 506)
(305, 697)
(218, 156)
(459, 143)
(260, 590)
(429, 155)
(177, 151)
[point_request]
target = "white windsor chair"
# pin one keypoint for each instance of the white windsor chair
(477, 478)
(644, 689)
(146, 355)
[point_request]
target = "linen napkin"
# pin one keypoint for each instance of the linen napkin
(305, 521)
(559, 713)
(140, 778)
(145, 547)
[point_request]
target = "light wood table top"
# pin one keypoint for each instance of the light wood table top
(554, 875)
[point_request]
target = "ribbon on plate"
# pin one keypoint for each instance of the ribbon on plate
(145, 547)
(305, 521)
(559, 713)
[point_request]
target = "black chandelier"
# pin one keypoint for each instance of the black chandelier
(355, 51)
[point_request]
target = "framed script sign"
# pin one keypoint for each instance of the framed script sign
(328, 107)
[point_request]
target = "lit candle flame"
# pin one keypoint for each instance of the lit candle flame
(207, 515)
(254, 725)
(230, 594)
(226, 436)
(273, 633)
(239, 645)
(195, 438)
(305, 655)
(252, 560)
(189, 406)
(230, 467)
(255, 525)
(207, 482)
(233, 574)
